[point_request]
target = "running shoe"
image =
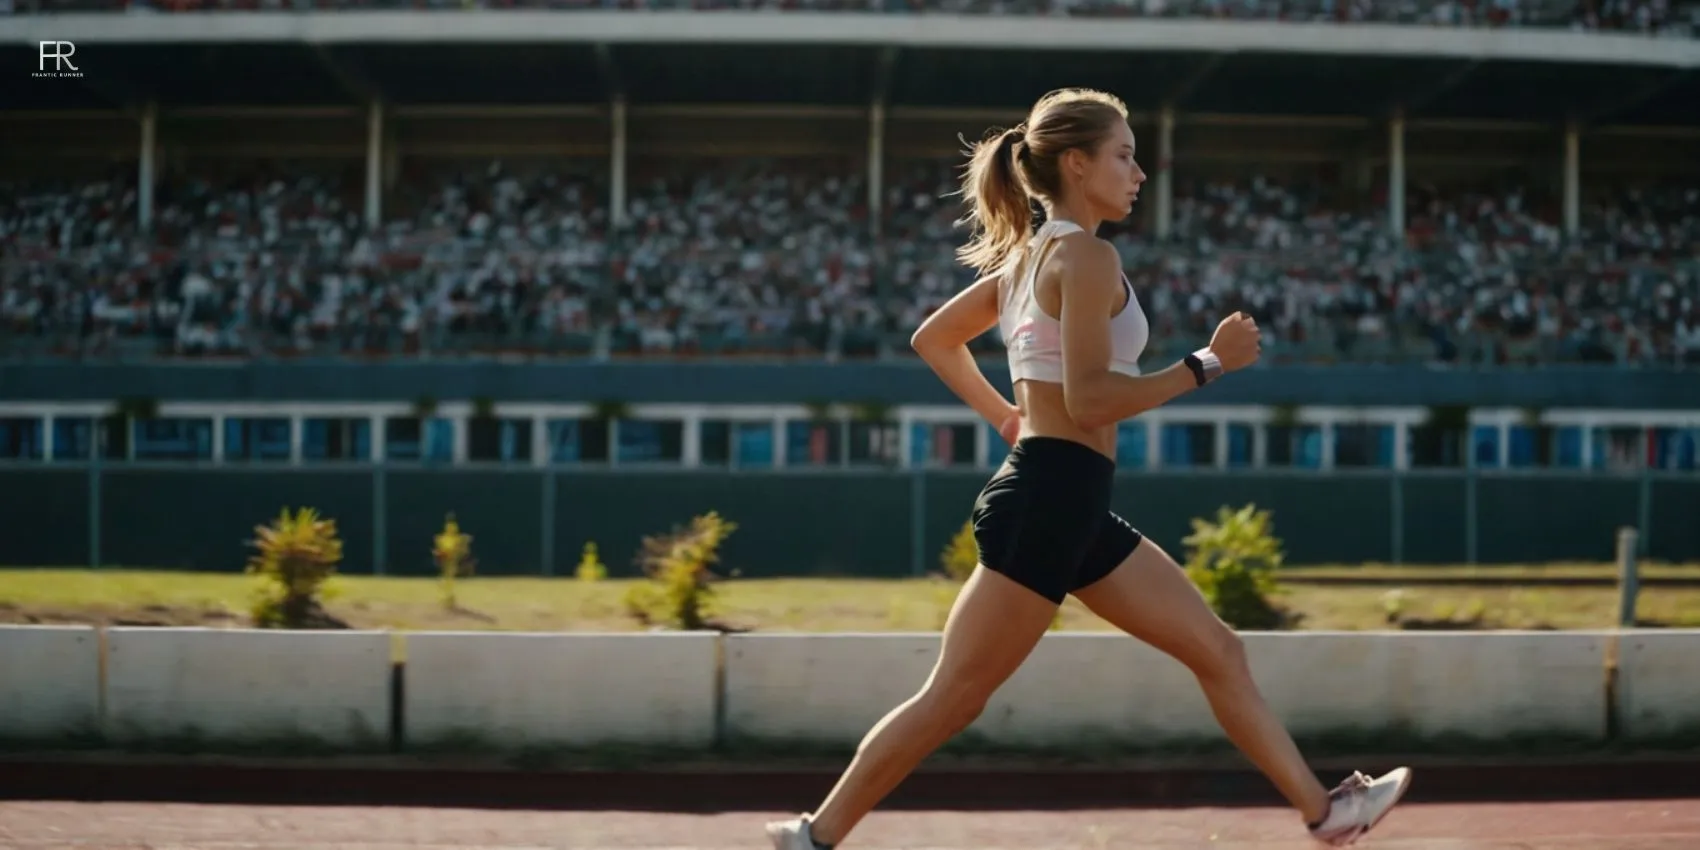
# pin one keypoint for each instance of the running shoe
(793, 834)
(1355, 807)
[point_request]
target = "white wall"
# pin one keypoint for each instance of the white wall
(249, 685)
(561, 689)
(1093, 687)
(49, 681)
(687, 690)
(1658, 683)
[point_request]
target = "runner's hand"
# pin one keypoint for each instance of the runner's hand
(1010, 428)
(1237, 342)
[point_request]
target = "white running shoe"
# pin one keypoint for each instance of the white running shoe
(1357, 805)
(791, 834)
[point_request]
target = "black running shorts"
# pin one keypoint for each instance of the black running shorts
(1044, 518)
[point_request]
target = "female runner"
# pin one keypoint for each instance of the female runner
(1043, 523)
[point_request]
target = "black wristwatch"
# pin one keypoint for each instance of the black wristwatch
(1205, 365)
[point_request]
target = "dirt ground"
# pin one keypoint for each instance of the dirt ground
(1641, 825)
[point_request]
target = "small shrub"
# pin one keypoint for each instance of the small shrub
(590, 566)
(644, 602)
(1233, 561)
(1393, 605)
(679, 593)
(296, 555)
(452, 550)
(960, 555)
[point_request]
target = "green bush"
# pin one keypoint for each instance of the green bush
(452, 550)
(297, 555)
(960, 555)
(1234, 561)
(1393, 605)
(679, 593)
(590, 566)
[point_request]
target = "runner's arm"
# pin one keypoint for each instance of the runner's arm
(942, 340)
(1096, 396)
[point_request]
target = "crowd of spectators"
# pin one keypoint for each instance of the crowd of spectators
(732, 256)
(748, 256)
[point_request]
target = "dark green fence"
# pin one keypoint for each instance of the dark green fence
(875, 523)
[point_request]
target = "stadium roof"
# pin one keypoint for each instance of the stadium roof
(1253, 83)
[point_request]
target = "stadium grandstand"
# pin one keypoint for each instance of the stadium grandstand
(1503, 182)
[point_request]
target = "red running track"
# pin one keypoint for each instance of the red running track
(1629, 825)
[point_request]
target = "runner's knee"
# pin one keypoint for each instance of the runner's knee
(955, 703)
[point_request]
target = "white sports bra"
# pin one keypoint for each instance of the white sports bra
(1034, 338)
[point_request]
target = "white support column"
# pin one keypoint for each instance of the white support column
(905, 438)
(297, 435)
(617, 164)
(1328, 428)
(147, 169)
(540, 446)
(1402, 446)
(1165, 171)
(379, 441)
(982, 443)
(690, 442)
(876, 165)
(459, 435)
(1396, 174)
(374, 164)
(1572, 179)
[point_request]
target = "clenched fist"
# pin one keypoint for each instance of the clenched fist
(1237, 342)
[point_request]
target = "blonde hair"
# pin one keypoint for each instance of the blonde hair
(1006, 171)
